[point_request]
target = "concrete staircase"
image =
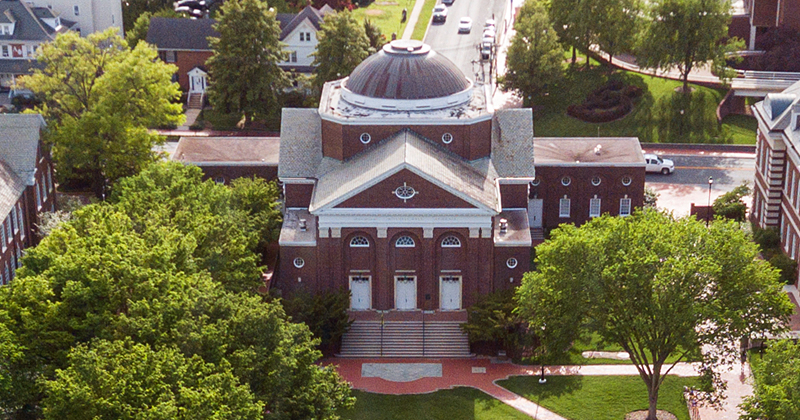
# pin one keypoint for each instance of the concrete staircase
(195, 101)
(405, 339)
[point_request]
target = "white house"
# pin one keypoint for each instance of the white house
(89, 15)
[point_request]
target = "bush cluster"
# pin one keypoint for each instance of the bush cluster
(610, 102)
(770, 242)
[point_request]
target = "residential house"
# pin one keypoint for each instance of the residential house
(26, 187)
(89, 16)
(776, 188)
(752, 18)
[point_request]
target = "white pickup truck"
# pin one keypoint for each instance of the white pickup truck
(653, 163)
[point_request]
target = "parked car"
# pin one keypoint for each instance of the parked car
(488, 33)
(490, 23)
(447, 2)
(465, 25)
(653, 163)
(486, 50)
(439, 13)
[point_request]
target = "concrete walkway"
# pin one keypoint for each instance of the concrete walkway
(479, 373)
(412, 20)
(191, 117)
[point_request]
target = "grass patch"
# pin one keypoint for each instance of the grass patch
(424, 20)
(386, 15)
(599, 397)
(742, 128)
(458, 403)
(656, 115)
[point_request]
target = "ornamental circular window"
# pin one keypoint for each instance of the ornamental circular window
(405, 192)
(299, 262)
(365, 138)
(447, 138)
(220, 180)
(626, 180)
(565, 181)
(536, 182)
(511, 263)
(596, 181)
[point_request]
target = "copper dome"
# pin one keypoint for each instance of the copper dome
(407, 69)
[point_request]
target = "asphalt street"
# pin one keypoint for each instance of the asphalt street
(462, 49)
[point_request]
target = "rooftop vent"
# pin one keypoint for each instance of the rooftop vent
(597, 149)
(503, 225)
(303, 225)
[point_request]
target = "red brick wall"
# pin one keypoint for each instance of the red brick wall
(187, 60)
(764, 12)
(382, 195)
(503, 274)
(298, 195)
(514, 196)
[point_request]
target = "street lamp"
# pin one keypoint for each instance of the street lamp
(708, 209)
(542, 379)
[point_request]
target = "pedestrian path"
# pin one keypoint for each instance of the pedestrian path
(413, 18)
(479, 373)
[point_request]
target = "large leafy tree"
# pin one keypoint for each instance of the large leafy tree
(777, 383)
(342, 44)
(619, 23)
(100, 99)
(684, 34)
(244, 75)
(576, 22)
(656, 286)
(535, 56)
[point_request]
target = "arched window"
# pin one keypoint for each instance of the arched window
(451, 242)
(404, 242)
(359, 242)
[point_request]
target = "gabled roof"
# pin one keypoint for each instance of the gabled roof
(301, 147)
(19, 143)
(512, 143)
(11, 188)
(181, 33)
(310, 13)
(27, 26)
(410, 151)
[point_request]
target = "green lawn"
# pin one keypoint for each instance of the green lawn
(424, 20)
(386, 14)
(656, 115)
(599, 397)
(451, 404)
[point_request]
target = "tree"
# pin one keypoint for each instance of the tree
(656, 286)
(682, 34)
(133, 9)
(777, 383)
(534, 57)
(576, 22)
(376, 38)
(243, 70)
(494, 319)
(650, 197)
(325, 314)
(138, 32)
(731, 204)
(100, 98)
(123, 380)
(342, 44)
(618, 24)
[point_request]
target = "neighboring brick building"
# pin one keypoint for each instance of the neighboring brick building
(224, 159)
(776, 188)
(752, 18)
(26, 187)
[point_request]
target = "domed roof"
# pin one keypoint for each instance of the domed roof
(407, 69)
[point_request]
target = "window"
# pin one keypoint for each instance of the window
(38, 196)
(49, 179)
(565, 181)
(451, 242)
(292, 57)
(365, 138)
(20, 220)
(305, 36)
(14, 219)
(511, 263)
(563, 207)
(359, 242)
(594, 207)
(6, 276)
(626, 180)
(76, 10)
(596, 181)
(19, 257)
(220, 180)
(7, 29)
(536, 182)
(404, 242)
(299, 262)
(625, 206)
(447, 138)
(3, 239)
(171, 56)
(404, 192)
(5, 50)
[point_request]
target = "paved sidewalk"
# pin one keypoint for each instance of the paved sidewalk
(412, 19)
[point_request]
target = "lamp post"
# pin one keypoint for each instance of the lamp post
(708, 209)
(542, 379)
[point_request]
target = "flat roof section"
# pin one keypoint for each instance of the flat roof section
(625, 151)
(228, 150)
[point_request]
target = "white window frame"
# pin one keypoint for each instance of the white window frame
(564, 207)
(14, 219)
(594, 207)
(3, 236)
(625, 206)
(405, 242)
(38, 196)
(355, 243)
(454, 242)
(170, 56)
(5, 50)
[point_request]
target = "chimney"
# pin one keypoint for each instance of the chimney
(303, 225)
(503, 225)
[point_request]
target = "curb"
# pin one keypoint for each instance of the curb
(733, 148)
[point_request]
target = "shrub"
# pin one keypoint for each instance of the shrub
(493, 319)
(610, 102)
(768, 239)
(786, 265)
(325, 314)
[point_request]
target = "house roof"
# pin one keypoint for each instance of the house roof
(512, 143)
(301, 146)
(181, 33)
(228, 150)
(19, 66)
(411, 151)
(27, 26)
(11, 188)
(19, 143)
(313, 15)
(588, 150)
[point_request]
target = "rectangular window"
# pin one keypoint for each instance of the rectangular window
(171, 56)
(20, 220)
(594, 207)
(19, 257)
(7, 275)
(38, 196)
(3, 239)
(293, 57)
(5, 50)
(563, 207)
(76, 10)
(625, 207)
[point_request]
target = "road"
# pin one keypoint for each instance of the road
(462, 49)
(689, 183)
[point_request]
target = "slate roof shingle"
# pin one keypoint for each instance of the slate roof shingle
(180, 33)
(301, 146)
(19, 143)
(11, 188)
(512, 143)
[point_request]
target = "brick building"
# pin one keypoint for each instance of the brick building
(776, 188)
(224, 159)
(26, 187)
(752, 18)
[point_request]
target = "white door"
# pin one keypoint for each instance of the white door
(450, 293)
(359, 293)
(405, 293)
(535, 212)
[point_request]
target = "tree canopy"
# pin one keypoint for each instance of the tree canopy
(342, 44)
(776, 391)
(534, 56)
(166, 268)
(244, 77)
(100, 99)
(682, 34)
(731, 205)
(138, 32)
(656, 286)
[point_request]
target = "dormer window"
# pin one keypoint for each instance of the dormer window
(7, 29)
